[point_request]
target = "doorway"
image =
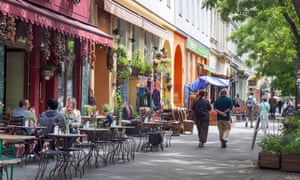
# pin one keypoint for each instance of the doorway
(14, 78)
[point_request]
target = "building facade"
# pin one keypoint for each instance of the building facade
(46, 51)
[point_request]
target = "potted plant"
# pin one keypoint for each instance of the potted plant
(107, 108)
(47, 71)
(168, 78)
(122, 75)
(158, 55)
(169, 86)
(136, 63)
(290, 150)
(122, 63)
(146, 68)
(269, 157)
(165, 61)
(122, 60)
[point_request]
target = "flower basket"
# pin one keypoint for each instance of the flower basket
(268, 160)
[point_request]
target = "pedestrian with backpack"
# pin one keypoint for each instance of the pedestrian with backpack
(250, 103)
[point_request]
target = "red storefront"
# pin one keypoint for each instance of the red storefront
(38, 34)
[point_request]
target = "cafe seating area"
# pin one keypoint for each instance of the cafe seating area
(92, 146)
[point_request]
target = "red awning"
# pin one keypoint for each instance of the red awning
(48, 19)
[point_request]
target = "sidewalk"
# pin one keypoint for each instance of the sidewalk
(184, 160)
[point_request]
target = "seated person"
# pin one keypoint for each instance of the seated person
(109, 120)
(127, 112)
(50, 117)
(22, 111)
(72, 114)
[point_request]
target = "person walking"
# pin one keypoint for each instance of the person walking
(280, 105)
(264, 109)
(273, 104)
(251, 104)
(223, 105)
(201, 108)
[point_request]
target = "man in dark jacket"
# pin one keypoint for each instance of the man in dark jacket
(223, 106)
(201, 108)
(50, 117)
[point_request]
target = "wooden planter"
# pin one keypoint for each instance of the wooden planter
(268, 160)
(290, 163)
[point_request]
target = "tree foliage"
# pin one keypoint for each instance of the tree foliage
(268, 34)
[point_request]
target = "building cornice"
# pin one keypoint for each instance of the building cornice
(137, 8)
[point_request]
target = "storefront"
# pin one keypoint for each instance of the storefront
(44, 54)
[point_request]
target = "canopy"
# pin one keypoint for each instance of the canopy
(204, 81)
(43, 17)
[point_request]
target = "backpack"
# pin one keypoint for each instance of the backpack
(249, 102)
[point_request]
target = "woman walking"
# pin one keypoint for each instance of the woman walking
(201, 108)
(264, 108)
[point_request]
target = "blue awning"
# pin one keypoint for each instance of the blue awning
(204, 81)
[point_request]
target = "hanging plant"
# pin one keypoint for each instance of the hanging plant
(136, 62)
(47, 71)
(11, 30)
(92, 55)
(169, 86)
(146, 68)
(29, 39)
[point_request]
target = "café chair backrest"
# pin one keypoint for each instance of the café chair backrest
(18, 121)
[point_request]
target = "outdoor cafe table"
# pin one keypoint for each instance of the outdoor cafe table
(89, 119)
(98, 137)
(65, 137)
(11, 138)
(118, 131)
(68, 161)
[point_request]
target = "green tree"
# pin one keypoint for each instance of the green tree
(268, 34)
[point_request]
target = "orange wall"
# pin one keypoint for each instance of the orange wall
(179, 44)
(101, 79)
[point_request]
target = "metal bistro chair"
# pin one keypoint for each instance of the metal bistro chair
(23, 146)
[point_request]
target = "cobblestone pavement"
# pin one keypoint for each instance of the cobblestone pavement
(185, 161)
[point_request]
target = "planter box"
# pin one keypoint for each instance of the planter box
(290, 163)
(268, 160)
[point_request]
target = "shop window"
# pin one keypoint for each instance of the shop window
(66, 78)
(122, 26)
(135, 38)
(151, 46)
